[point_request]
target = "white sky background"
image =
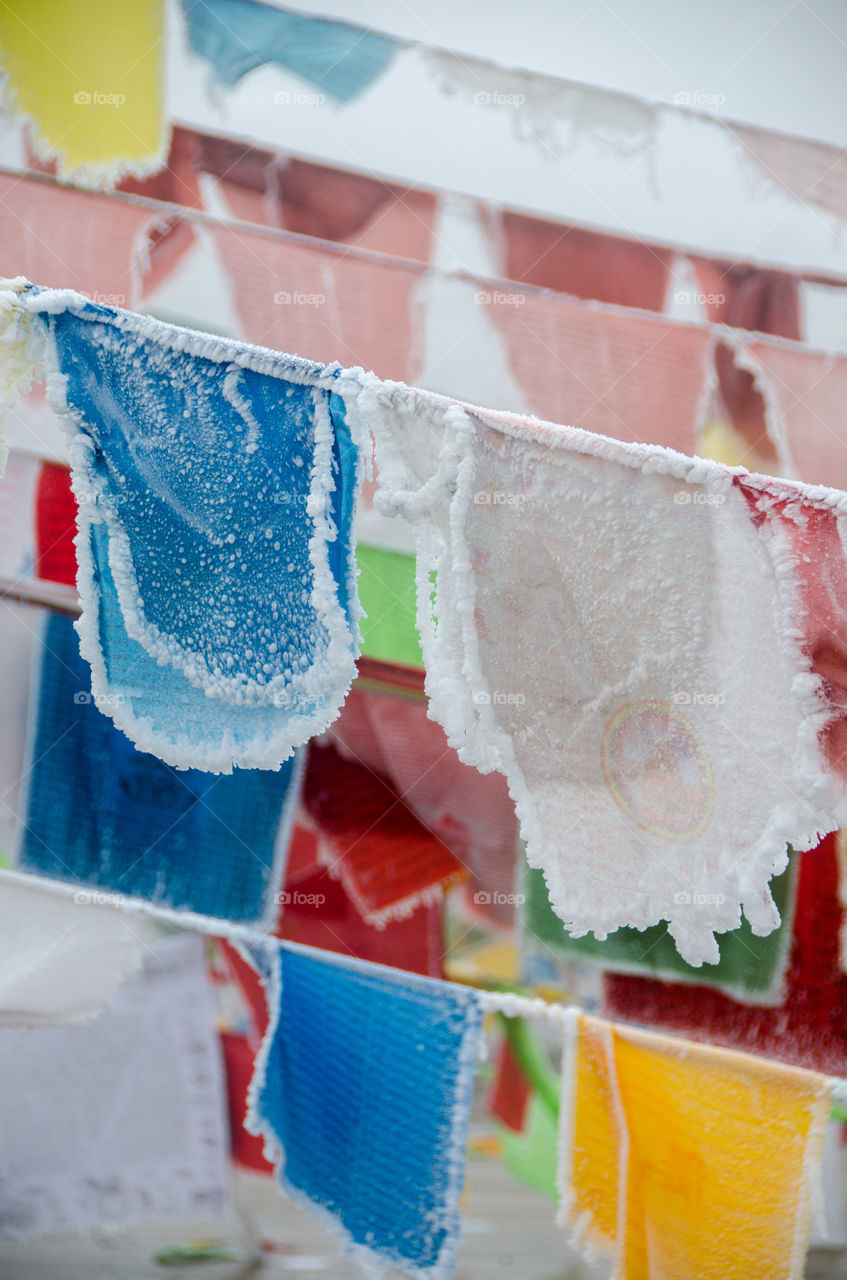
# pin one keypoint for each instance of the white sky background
(777, 65)
(780, 65)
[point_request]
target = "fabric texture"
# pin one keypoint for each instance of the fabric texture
(807, 1029)
(810, 171)
(236, 36)
(683, 1160)
(349, 1048)
(162, 243)
(318, 911)
(322, 303)
(55, 525)
(804, 397)
(17, 529)
(387, 596)
(79, 239)
(761, 300)
(245, 1148)
(583, 263)
(60, 963)
(121, 1121)
(750, 968)
(105, 816)
(91, 81)
(556, 114)
(634, 377)
(388, 862)
(276, 190)
(217, 487)
(596, 661)
(471, 813)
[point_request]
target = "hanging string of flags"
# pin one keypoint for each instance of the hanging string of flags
(637, 655)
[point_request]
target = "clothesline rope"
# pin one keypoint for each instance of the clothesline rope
(734, 337)
(509, 1003)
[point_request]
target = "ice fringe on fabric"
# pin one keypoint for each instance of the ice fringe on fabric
(541, 104)
(216, 485)
(349, 1047)
(97, 105)
(597, 661)
(750, 969)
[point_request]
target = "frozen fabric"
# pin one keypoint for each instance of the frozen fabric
(91, 81)
(388, 862)
(609, 624)
(60, 962)
(808, 1028)
(750, 968)
(103, 815)
(121, 1121)
(236, 36)
(684, 1160)
(216, 487)
(365, 1082)
(812, 538)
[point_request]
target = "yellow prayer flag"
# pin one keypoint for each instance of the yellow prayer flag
(90, 79)
(679, 1160)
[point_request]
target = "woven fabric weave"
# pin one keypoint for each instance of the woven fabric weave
(216, 487)
(365, 1081)
(808, 1028)
(104, 816)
